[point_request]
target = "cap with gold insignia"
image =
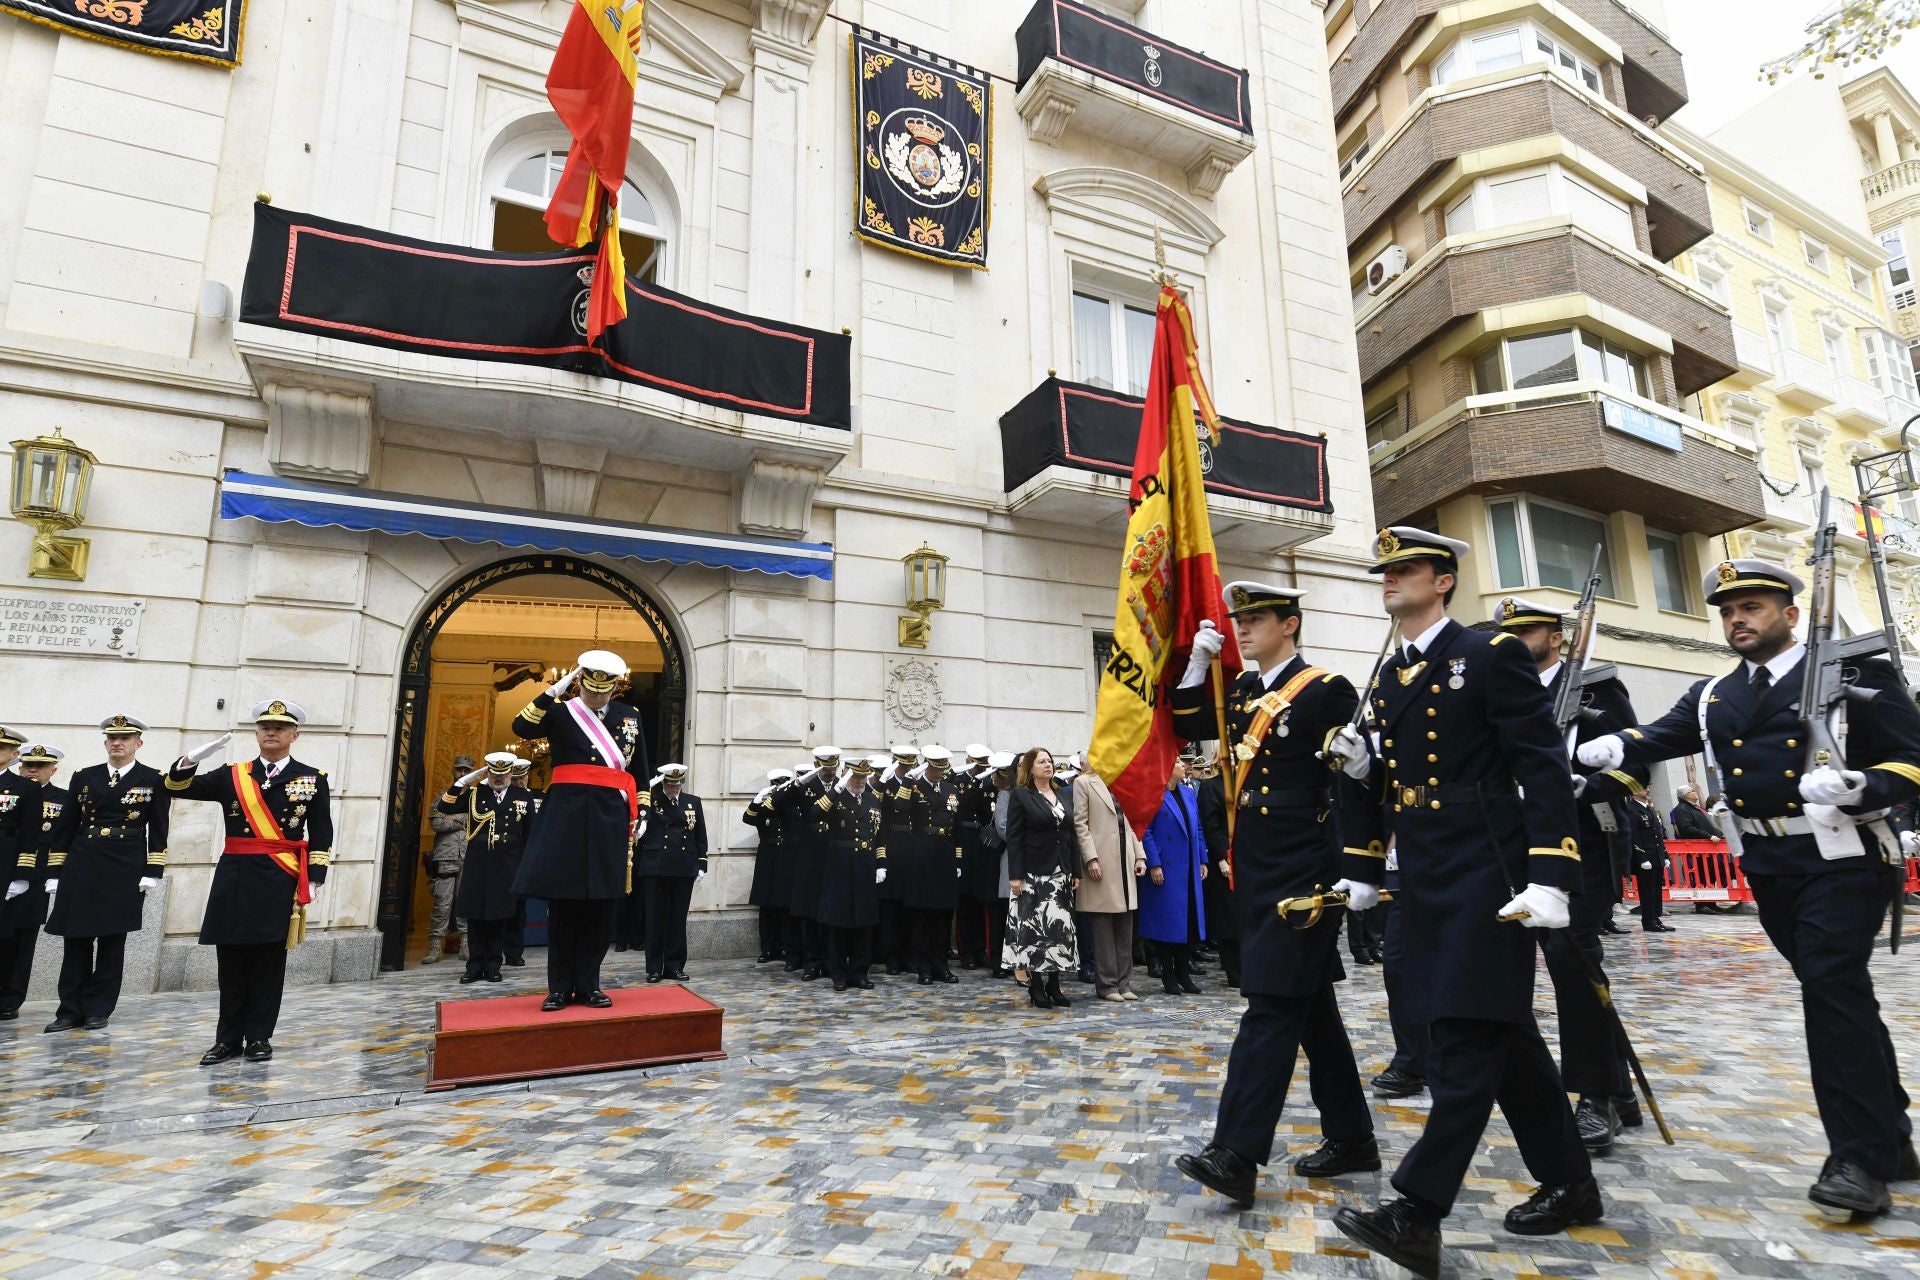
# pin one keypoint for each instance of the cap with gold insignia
(904, 753)
(1001, 762)
(600, 670)
(878, 761)
(977, 752)
(8, 738)
(122, 726)
(674, 773)
(279, 711)
(778, 776)
(826, 755)
(1514, 613)
(1732, 576)
(936, 756)
(40, 753)
(500, 763)
(1403, 542)
(1250, 597)
(522, 766)
(862, 767)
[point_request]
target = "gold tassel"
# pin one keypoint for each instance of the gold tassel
(297, 926)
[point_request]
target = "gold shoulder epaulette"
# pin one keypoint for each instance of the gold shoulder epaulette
(1498, 636)
(178, 784)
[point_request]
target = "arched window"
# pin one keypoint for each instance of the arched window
(520, 207)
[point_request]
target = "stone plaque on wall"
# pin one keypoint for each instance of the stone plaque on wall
(63, 622)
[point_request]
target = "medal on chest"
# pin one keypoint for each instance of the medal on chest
(1458, 666)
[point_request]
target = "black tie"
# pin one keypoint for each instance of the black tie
(1413, 654)
(1762, 681)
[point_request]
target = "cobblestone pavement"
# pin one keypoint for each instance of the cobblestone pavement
(934, 1131)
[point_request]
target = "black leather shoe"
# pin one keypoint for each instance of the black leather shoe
(677, 975)
(838, 985)
(1598, 1124)
(1364, 957)
(863, 984)
(926, 979)
(597, 1000)
(1551, 1210)
(1848, 1189)
(793, 966)
(1658, 926)
(218, 1054)
(1396, 1231)
(466, 978)
(1395, 1083)
(94, 1024)
(946, 977)
(491, 977)
(813, 973)
(618, 947)
(8, 1015)
(1628, 1109)
(1335, 1158)
(60, 1024)
(1059, 997)
(259, 1051)
(553, 1003)
(1611, 927)
(1221, 1170)
(766, 957)
(516, 962)
(653, 977)
(1909, 1170)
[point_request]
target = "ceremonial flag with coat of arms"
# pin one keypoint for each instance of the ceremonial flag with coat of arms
(591, 86)
(1169, 576)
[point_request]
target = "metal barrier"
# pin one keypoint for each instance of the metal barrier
(1704, 871)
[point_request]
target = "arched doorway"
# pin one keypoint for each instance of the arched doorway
(478, 655)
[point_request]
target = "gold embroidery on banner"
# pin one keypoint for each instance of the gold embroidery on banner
(974, 99)
(128, 13)
(873, 119)
(875, 64)
(925, 83)
(876, 219)
(927, 231)
(205, 27)
(971, 245)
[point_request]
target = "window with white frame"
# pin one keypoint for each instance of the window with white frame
(1860, 278)
(1813, 472)
(1558, 355)
(1565, 60)
(1354, 150)
(1480, 53)
(1672, 584)
(1816, 254)
(1779, 323)
(520, 215)
(1899, 272)
(1833, 344)
(1522, 195)
(1537, 543)
(1713, 280)
(1759, 221)
(1112, 340)
(1888, 367)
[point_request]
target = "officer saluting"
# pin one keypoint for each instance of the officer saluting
(1287, 842)
(1821, 907)
(855, 867)
(672, 856)
(1590, 1063)
(21, 797)
(1465, 728)
(580, 854)
(498, 814)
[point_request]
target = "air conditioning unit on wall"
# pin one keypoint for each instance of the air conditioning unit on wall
(1386, 268)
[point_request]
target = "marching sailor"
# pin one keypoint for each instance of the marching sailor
(671, 858)
(109, 849)
(497, 817)
(1480, 804)
(279, 843)
(1590, 1062)
(1821, 897)
(23, 816)
(1298, 828)
(579, 855)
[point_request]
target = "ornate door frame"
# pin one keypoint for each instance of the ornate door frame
(406, 780)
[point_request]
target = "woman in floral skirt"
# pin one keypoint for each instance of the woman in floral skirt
(1043, 872)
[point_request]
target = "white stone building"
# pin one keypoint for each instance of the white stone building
(127, 187)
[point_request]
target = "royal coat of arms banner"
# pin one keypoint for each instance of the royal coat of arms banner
(923, 129)
(207, 30)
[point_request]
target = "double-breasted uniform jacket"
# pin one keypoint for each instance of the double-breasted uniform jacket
(252, 897)
(1760, 748)
(1298, 826)
(896, 828)
(934, 859)
(675, 841)
(108, 838)
(979, 860)
(769, 861)
(1464, 727)
(1602, 802)
(497, 825)
(849, 899)
(20, 840)
(581, 847)
(804, 807)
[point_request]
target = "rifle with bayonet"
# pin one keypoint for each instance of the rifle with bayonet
(1578, 670)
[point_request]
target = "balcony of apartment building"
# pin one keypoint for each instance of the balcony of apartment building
(1653, 84)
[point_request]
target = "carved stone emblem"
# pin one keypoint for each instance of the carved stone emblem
(914, 702)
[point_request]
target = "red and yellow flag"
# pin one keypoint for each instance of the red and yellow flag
(1169, 576)
(591, 87)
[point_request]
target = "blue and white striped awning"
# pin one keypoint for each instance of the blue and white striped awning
(256, 497)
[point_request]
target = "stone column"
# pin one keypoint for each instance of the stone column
(1884, 140)
(782, 44)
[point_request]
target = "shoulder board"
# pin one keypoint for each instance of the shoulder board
(1498, 636)
(1330, 677)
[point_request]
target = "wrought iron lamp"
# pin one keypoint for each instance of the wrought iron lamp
(1876, 477)
(926, 592)
(51, 477)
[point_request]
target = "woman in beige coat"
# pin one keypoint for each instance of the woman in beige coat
(1111, 860)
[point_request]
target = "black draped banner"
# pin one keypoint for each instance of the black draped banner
(1084, 37)
(208, 30)
(336, 280)
(923, 134)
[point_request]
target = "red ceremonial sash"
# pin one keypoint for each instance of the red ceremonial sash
(598, 775)
(289, 855)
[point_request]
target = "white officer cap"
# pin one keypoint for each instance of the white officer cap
(877, 762)
(1515, 612)
(1000, 761)
(522, 765)
(1250, 597)
(500, 762)
(600, 670)
(116, 726)
(1404, 542)
(779, 775)
(934, 753)
(826, 755)
(978, 752)
(673, 773)
(278, 711)
(40, 753)
(905, 753)
(1732, 576)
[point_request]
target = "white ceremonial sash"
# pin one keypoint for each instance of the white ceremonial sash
(596, 733)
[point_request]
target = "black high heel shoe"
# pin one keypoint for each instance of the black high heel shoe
(1037, 992)
(1054, 993)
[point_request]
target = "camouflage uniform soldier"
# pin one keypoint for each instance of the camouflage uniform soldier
(443, 874)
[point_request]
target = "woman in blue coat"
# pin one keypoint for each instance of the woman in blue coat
(1172, 910)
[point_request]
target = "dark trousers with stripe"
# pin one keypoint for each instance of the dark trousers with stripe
(252, 977)
(1273, 1032)
(90, 976)
(1404, 1014)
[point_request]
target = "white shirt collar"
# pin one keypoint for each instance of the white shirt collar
(273, 767)
(1425, 639)
(1547, 676)
(1271, 676)
(1781, 663)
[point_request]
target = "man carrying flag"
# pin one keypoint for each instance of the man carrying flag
(591, 88)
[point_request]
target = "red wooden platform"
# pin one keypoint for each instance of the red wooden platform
(489, 1041)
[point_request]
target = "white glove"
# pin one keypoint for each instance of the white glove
(1539, 907)
(462, 783)
(1602, 753)
(761, 796)
(1579, 785)
(879, 875)
(1646, 866)
(564, 683)
(1206, 647)
(15, 889)
(1827, 785)
(957, 872)
(1349, 749)
(639, 829)
(149, 882)
(1360, 896)
(698, 876)
(918, 772)
(198, 754)
(53, 886)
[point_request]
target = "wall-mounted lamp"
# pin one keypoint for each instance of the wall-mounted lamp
(926, 591)
(51, 477)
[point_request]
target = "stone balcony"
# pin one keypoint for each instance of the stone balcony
(1897, 180)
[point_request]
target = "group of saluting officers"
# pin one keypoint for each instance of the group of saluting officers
(1447, 783)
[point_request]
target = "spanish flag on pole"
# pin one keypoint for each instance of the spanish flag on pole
(1169, 577)
(591, 88)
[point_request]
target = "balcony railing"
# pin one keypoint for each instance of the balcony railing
(1891, 181)
(1862, 402)
(1802, 378)
(1787, 512)
(1751, 349)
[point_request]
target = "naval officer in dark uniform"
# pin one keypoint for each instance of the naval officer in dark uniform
(279, 844)
(1820, 906)
(1479, 801)
(931, 866)
(769, 889)
(1291, 815)
(672, 857)
(498, 817)
(1590, 1061)
(855, 868)
(803, 836)
(579, 854)
(23, 796)
(107, 852)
